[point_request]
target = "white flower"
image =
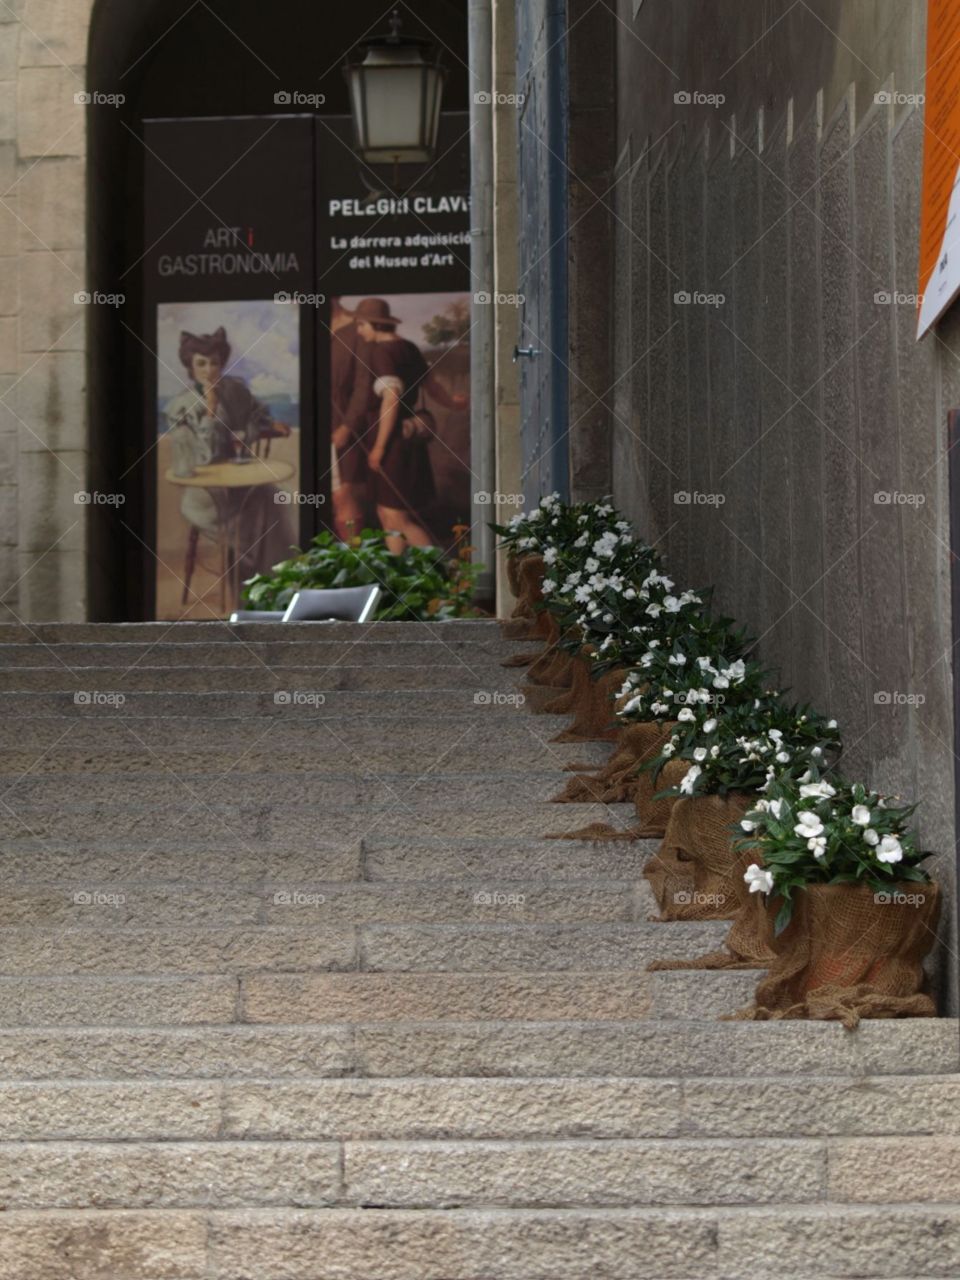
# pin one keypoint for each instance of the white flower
(689, 780)
(782, 757)
(678, 659)
(668, 749)
(817, 846)
(747, 825)
(890, 850)
(630, 594)
(808, 825)
(591, 565)
(700, 754)
(550, 555)
(861, 815)
(871, 836)
(776, 808)
(822, 789)
(671, 604)
(714, 752)
(760, 881)
(709, 725)
(721, 682)
(686, 714)
(547, 586)
(776, 735)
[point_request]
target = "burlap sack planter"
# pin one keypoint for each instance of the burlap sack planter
(849, 953)
(578, 689)
(555, 664)
(617, 780)
(653, 813)
(527, 622)
(696, 874)
(593, 711)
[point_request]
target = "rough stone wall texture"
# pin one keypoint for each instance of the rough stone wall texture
(43, 438)
(790, 404)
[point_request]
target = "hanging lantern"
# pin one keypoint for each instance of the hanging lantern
(396, 85)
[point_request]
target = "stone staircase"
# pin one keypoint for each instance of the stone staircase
(293, 988)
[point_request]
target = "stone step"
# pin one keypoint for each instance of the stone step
(314, 652)
(173, 857)
(439, 948)
(639, 1048)
(400, 858)
(326, 1109)
(256, 676)
(627, 1173)
(297, 824)
(106, 754)
(468, 632)
(355, 997)
(786, 1242)
(701, 993)
(331, 791)
(515, 1174)
(130, 1175)
(130, 903)
(379, 737)
(286, 999)
(184, 1000)
(309, 702)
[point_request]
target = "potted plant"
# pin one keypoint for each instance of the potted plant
(852, 913)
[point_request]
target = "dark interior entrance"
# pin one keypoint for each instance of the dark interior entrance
(177, 59)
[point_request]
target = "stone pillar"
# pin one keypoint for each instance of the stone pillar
(509, 459)
(43, 427)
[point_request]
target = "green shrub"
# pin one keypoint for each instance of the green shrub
(420, 584)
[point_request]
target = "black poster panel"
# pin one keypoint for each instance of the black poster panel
(393, 342)
(229, 334)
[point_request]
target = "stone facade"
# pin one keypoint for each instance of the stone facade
(43, 428)
(763, 371)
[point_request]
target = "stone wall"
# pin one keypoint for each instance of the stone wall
(43, 441)
(755, 426)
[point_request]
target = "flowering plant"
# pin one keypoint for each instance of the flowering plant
(747, 746)
(681, 676)
(822, 830)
